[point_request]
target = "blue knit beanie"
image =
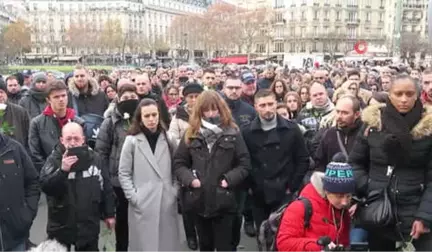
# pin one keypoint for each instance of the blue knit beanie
(339, 178)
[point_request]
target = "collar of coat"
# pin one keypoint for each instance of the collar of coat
(371, 116)
(93, 87)
(281, 123)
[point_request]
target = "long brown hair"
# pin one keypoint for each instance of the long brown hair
(297, 96)
(208, 100)
(284, 85)
(137, 126)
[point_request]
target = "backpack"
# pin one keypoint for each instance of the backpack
(270, 227)
(92, 123)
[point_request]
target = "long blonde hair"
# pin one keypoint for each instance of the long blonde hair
(208, 100)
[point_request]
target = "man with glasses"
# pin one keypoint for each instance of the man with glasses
(243, 114)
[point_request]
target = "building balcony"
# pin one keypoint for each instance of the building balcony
(352, 6)
(352, 21)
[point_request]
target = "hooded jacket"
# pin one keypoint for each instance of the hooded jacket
(293, 236)
(19, 193)
(94, 101)
(411, 184)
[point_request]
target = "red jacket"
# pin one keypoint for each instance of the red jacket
(292, 235)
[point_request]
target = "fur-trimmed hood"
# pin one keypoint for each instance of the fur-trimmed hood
(93, 87)
(371, 116)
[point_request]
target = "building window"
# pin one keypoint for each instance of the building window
(260, 48)
(315, 31)
(278, 47)
(63, 50)
(326, 14)
(368, 16)
(303, 47)
(292, 32)
(35, 8)
(303, 15)
(352, 33)
(337, 15)
(314, 46)
(352, 16)
(292, 47)
(381, 17)
(38, 50)
(316, 14)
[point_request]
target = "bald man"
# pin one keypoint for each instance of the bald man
(79, 192)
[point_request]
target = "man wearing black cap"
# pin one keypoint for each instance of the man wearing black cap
(13, 118)
(178, 127)
(35, 100)
(249, 87)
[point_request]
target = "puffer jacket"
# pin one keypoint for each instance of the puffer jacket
(76, 200)
(410, 186)
(293, 236)
(109, 143)
(44, 135)
(19, 193)
(228, 159)
(34, 102)
(179, 124)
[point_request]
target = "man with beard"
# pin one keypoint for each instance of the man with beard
(426, 94)
(86, 94)
(269, 76)
(15, 117)
(278, 155)
(341, 137)
(109, 144)
(144, 88)
(35, 100)
(249, 87)
(13, 89)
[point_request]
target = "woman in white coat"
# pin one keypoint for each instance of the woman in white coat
(146, 178)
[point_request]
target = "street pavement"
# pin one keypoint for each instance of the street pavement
(38, 231)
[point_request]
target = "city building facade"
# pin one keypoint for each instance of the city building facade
(329, 27)
(77, 28)
(6, 15)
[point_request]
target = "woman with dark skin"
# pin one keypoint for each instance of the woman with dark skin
(395, 149)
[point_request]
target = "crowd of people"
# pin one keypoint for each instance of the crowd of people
(345, 149)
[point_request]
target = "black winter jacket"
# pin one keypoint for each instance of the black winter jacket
(228, 159)
(109, 143)
(329, 146)
(411, 186)
(19, 119)
(19, 193)
(76, 200)
(242, 112)
(34, 102)
(279, 159)
(94, 101)
(44, 135)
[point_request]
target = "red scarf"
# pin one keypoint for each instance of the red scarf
(70, 114)
(170, 103)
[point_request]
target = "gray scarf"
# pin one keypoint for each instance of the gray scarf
(210, 132)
